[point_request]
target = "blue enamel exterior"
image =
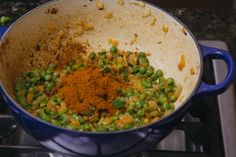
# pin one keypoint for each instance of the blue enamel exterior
(115, 144)
(2, 31)
(206, 89)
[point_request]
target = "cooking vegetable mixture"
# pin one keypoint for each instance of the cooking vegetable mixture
(108, 90)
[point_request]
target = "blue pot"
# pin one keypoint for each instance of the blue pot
(119, 143)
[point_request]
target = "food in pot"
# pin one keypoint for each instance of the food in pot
(109, 90)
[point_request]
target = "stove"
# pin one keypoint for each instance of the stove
(207, 130)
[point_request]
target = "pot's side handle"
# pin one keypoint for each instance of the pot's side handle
(215, 53)
(2, 30)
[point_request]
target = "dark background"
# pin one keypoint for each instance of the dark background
(200, 4)
(214, 4)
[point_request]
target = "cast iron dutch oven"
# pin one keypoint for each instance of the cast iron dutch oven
(157, 32)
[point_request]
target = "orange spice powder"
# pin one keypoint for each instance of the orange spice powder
(90, 89)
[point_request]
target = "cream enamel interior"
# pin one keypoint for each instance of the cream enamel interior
(166, 48)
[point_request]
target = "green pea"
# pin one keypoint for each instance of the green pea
(48, 77)
(170, 81)
(62, 117)
(143, 61)
(33, 80)
(32, 89)
(159, 73)
(141, 54)
(102, 53)
(100, 63)
(66, 70)
(106, 69)
(75, 66)
(56, 74)
(146, 83)
(92, 55)
(139, 75)
(127, 126)
(53, 121)
(139, 103)
(42, 115)
(114, 118)
(150, 70)
(118, 102)
(168, 89)
(135, 69)
(85, 127)
(154, 113)
(20, 99)
(131, 107)
(154, 77)
(112, 127)
(142, 69)
(48, 71)
(20, 84)
(167, 106)
(113, 49)
(52, 66)
(124, 74)
(70, 126)
(156, 94)
(38, 94)
(141, 113)
(28, 85)
(173, 98)
(4, 20)
(43, 103)
(161, 80)
(42, 74)
(101, 128)
(82, 120)
(105, 61)
(163, 98)
(49, 86)
(129, 92)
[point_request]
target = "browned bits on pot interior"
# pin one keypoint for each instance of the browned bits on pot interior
(59, 49)
(192, 72)
(51, 11)
(184, 31)
(85, 25)
(99, 5)
(181, 64)
(133, 40)
(37, 47)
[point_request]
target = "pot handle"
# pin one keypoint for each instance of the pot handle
(2, 30)
(215, 53)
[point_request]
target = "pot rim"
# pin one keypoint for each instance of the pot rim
(162, 120)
